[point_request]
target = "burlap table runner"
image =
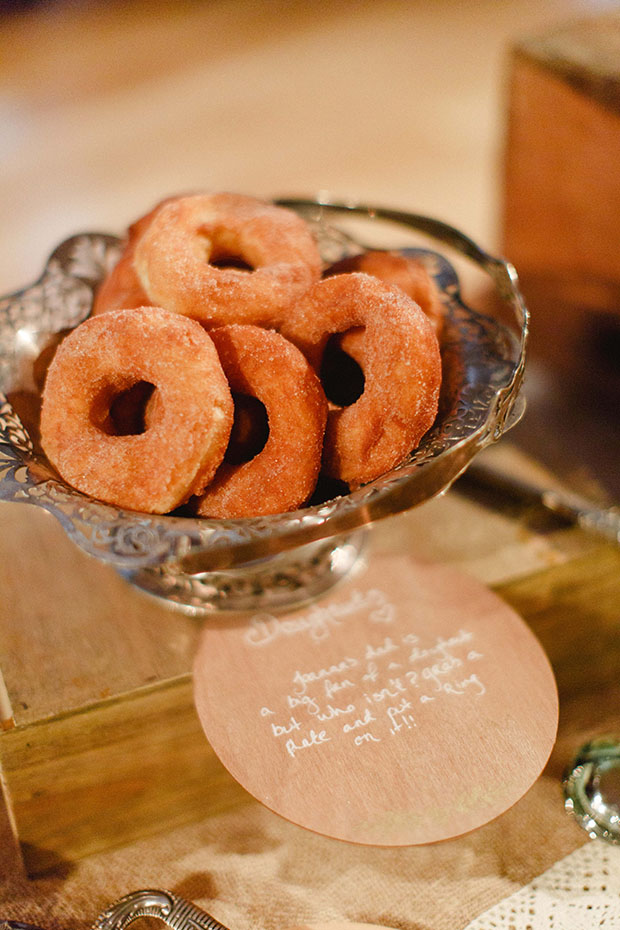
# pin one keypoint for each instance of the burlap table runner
(252, 869)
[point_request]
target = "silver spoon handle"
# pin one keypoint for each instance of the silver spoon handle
(175, 912)
(602, 521)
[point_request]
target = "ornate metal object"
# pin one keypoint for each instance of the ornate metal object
(589, 797)
(176, 557)
(603, 522)
(174, 912)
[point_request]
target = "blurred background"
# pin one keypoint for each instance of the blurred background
(107, 107)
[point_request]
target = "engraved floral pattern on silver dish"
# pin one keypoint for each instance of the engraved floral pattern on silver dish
(483, 364)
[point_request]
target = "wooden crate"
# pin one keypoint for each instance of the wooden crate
(104, 745)
(561, 214)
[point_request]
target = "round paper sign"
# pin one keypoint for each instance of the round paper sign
(410, 705)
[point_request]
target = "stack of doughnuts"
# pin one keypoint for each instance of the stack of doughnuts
(199, 378)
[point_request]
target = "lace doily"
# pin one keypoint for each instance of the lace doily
(581, 891)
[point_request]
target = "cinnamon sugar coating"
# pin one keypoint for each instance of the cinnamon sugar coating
(188, 426)
(403, 271)
(184, 258)
(263, 364)
(402, 370)
(124, 414)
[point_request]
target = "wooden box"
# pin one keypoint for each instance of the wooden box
(106, 746)
(102, 744)
(561, 216)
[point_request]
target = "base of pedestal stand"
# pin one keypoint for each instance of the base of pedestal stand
(289, 579)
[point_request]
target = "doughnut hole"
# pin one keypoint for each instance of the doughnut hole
(341, 376)
(235, 262)
(225, 251)
(327, 489)
(128, 410)
(122, 413)
(250, 430)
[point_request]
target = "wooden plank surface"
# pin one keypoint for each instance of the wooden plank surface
(70, 780)
(562, 191)
(72, 631)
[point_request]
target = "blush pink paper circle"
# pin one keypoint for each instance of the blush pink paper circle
(409, 706)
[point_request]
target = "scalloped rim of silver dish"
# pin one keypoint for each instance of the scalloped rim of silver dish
(481, 406)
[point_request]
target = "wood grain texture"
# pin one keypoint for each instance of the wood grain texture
(71, 781)
(72, 632)
(575, 610)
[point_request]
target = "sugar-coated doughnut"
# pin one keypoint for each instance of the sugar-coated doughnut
(121, 288)
(180, 259)
(402, 372)
(262, 364)
(188, 426)
(404, 271)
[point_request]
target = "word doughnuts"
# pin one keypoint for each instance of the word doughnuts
(402, 371)
(180, 259)
(188, 426)
(262, 364)
(403, 271)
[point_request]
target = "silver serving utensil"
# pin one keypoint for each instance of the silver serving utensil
(604, 522)
(174, 912)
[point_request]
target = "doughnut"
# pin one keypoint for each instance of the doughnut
(184, 259)
(262, 364)
(121, 289)
(402, 372)
(403, 271)
(188, 426)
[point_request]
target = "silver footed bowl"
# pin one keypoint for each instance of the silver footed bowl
(205, 564)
